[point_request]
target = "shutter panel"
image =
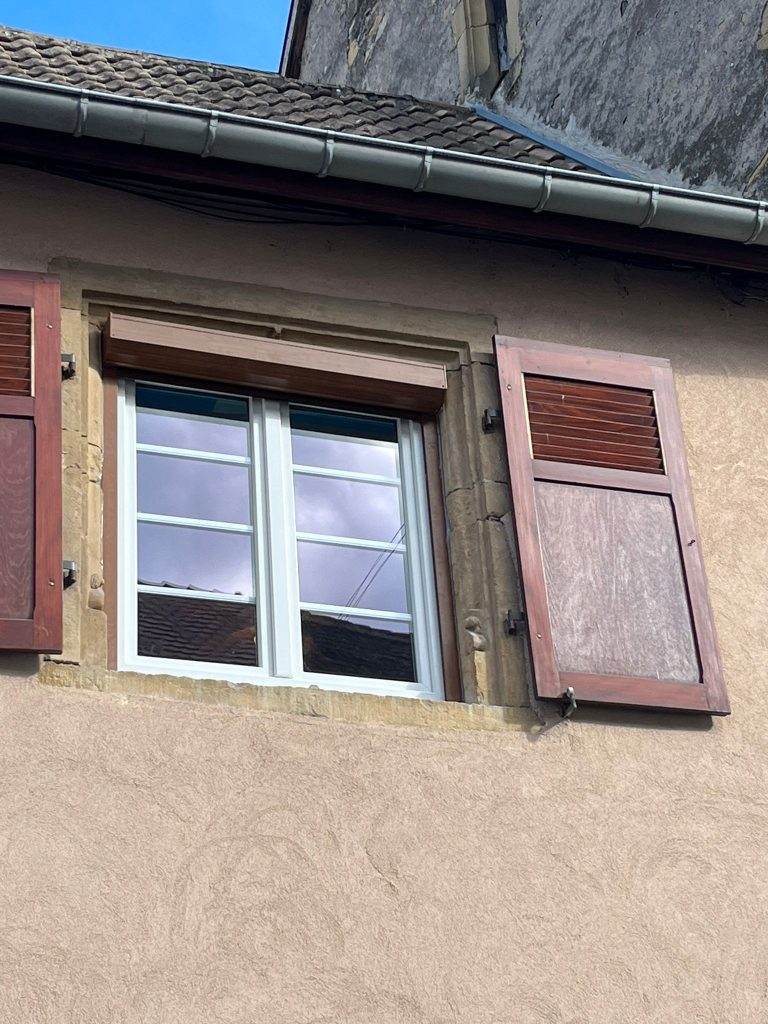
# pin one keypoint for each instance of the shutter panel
(30, 464)
(614, 582)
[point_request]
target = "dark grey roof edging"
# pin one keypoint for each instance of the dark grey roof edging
(201, 132)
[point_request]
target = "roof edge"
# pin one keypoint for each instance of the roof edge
(201, 132)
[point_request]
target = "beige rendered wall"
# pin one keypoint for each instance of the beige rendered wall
(188, 854)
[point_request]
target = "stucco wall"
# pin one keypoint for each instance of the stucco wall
(677, 91)
(165, 859)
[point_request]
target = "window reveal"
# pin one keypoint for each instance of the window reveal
(278, 543)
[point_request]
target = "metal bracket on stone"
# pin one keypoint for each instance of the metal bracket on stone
(68, 365)
(69, 571)
(514, 624)
(491, 420)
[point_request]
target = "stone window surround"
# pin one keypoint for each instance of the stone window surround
(493, 667)
(481, 66)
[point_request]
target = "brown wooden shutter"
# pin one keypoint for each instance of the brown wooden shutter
(614, 583)
(30, 464)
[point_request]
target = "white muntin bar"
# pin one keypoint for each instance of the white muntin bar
(352, 542)
(192, 454)
(346, 474)
(194, 524)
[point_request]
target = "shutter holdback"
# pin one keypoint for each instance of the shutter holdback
(569, 704)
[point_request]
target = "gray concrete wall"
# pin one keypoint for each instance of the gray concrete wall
(676, 90)
(190, 854)
(383, 46)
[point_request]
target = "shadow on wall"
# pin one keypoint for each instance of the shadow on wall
(19, 666)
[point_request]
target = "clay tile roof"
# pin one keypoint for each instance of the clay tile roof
(259, 94)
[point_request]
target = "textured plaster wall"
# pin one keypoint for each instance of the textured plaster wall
(677, 91)
(169, 860)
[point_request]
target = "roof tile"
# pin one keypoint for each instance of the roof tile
(233, 90)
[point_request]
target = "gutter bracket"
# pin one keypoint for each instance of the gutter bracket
(546, 192)
(210, 135)
(759, 224)
(653, 205)
(426, 167)
(82, 116)
(327, 157)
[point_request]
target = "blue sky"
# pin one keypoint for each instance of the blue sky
(241, 32)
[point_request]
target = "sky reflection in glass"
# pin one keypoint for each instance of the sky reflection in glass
(347, 508)
(189, 557)
(193, 489)
(354, 577)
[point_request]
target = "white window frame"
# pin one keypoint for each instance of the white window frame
(275, 558)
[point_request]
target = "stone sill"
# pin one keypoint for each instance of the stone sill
(314, 703)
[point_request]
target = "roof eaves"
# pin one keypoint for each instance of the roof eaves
(203, 132)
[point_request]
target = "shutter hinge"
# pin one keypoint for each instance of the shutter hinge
(515, 623)
(68, 365)
(69, 572)
(491, 420)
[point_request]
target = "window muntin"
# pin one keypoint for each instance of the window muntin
(274, 543)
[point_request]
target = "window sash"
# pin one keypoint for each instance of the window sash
(275, 557)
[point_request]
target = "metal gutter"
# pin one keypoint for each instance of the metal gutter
(260, 141)
(542, 140)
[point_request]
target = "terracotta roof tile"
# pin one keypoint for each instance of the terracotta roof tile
(259, 94)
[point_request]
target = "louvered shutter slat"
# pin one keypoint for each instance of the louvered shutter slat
(574, 423)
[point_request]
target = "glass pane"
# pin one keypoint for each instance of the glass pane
(361, 444)
(194, 489)
(163, 418)
(197, 630)
(367, 648)
(348, 508)
(186, 558)
(615, 586)
(352, 577)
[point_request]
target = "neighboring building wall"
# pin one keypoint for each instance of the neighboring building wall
(188, 852)
(382, 47)
(678, 89)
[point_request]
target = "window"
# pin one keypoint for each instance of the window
(274, 542)
(613, 575)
